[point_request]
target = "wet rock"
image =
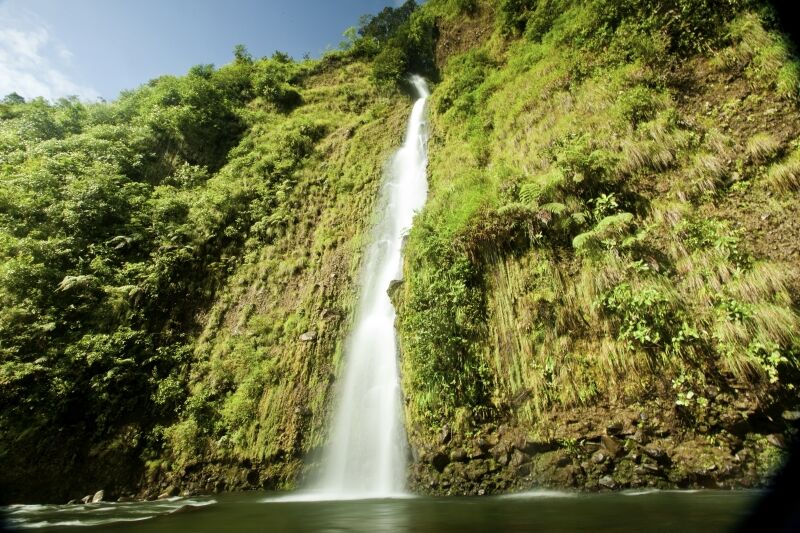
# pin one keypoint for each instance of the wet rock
(599, 457)
(483, 444)
(308, 336)
(476, 470)
(640, 437)
(98, 496)
(562, 461)
(611, 445)
(458, 455)
(657, 453)
(445, 435)
(394, 285)
(645, 469)
(87, 499)
(777, 440)
(518, 458)
(476, 453)
(607, 482)
(73, 502)
(169, 492)
(591, 447)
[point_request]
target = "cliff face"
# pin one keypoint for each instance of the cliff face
(602, 290)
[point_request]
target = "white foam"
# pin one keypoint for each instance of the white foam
(539, 493)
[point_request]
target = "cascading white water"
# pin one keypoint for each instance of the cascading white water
(366, 457)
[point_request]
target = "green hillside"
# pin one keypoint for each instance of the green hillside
(603, 286)
(602, 291)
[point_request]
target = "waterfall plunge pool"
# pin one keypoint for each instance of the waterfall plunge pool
(541, 511)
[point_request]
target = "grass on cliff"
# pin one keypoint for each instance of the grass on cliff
(575, 248)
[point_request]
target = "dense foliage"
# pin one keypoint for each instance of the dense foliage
(612, 206)
(582, 243)
(120, 224)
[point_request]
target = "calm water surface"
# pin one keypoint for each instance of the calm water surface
(703, 511)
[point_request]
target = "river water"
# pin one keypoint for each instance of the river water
(650, 511)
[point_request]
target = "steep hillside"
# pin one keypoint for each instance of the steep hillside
(602, 291)
(177, 274)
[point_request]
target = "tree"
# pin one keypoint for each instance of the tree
(241, 55)
(13, 98)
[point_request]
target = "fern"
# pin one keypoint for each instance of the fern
(555, 208)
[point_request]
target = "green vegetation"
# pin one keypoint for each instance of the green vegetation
(160, 257)
(582, 242)
(612, 220)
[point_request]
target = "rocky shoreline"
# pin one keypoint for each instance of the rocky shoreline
(591, 449)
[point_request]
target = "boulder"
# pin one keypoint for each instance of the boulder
(458, 455)
(607, 482)
(599, 457)
(640, 437)
(394, 286)
(445, 435)
(87, 499)
(777, 440)
(169, 492)
(518, 458)
(308, 336)
(791, 416)
(98, 496)
(657, 453)
(484, 444)
(611, 445)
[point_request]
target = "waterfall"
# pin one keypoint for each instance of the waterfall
(366, 457)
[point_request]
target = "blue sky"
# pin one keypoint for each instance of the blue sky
(95, 48)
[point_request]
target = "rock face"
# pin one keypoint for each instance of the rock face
(98, 496)
(647, 448)
(170, 491)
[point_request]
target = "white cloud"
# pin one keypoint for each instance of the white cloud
(32, 62)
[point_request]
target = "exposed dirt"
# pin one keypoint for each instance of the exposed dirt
(463, 34)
